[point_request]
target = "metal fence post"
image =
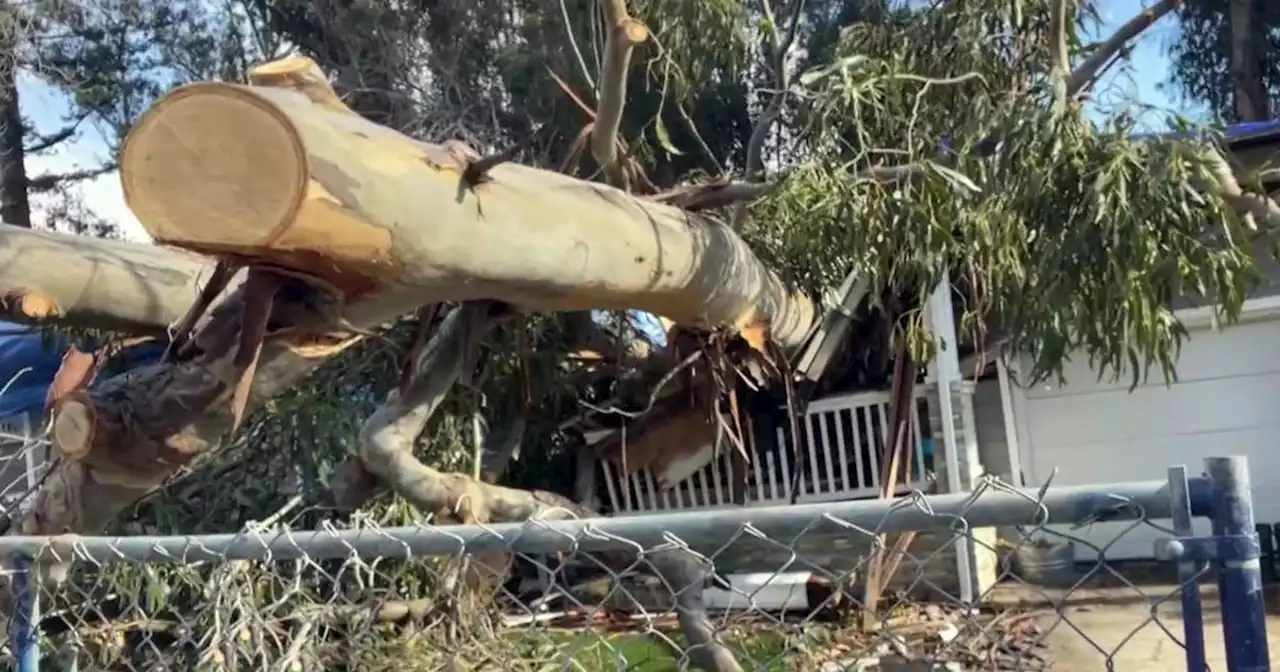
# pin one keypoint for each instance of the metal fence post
(24, 639)
(1244, 626)
(1188, 571)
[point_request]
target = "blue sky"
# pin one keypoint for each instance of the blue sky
(1150, 66)
(46, 109)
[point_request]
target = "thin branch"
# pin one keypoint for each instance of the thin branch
(1059, 56)
(1118, 40)
(690, 125)
(1115, 58)
(44, 142)
(573, 42)
(49, 182)
(781, 47)
(624, 35)
(653, 396)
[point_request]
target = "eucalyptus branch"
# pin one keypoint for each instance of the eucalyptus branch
(781, 47)
(1263, 209)
(624, 35)
(741, 193)
(1081, 76)
(1060, 57)
(1084, 75)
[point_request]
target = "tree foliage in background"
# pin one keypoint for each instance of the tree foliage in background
(1201, 53)
(97, 57)
(1071, 236)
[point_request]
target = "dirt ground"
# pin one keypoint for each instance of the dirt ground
(1113, 624)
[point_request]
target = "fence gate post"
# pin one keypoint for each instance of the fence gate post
(24, 639)
(1188, 571)
(1238, 561)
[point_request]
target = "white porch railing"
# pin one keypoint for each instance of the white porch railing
(846, 445)
(23, 456)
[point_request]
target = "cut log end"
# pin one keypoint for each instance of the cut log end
(633, 32)
(74, 422)
(186, 182)
(28, 304)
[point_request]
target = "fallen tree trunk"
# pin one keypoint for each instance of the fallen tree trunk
(96, 283)
(325, 219)
(284, 175)
(126, 437)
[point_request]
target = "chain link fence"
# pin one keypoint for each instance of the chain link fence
(778, 588)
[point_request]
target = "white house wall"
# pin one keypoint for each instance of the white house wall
(1226, 402)
(988, 414)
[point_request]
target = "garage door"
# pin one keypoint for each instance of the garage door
(1226, 402)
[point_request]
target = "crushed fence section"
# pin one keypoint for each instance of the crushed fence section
(769, 588)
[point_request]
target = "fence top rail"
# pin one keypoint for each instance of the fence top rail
(993, 504)
(860, 399)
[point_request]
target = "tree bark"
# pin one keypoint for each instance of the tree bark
(96, 283)
(15, 204)
(290, 179)
(1251, 99)
(300, 189)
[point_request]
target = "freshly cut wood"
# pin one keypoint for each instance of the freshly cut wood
(281, 174)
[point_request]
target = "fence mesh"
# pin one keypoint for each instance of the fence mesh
(762, 589)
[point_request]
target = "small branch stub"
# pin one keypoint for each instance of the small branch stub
(634, 32)
(477, 170)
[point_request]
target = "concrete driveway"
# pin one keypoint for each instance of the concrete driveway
(1127, 635)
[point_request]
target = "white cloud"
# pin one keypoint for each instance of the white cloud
(46, 108)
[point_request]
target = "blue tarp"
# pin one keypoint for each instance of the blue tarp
(1252, 128)
(1237, 136)
(27, 365)
(29, 360)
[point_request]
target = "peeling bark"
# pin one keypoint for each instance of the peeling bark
(264, 173)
